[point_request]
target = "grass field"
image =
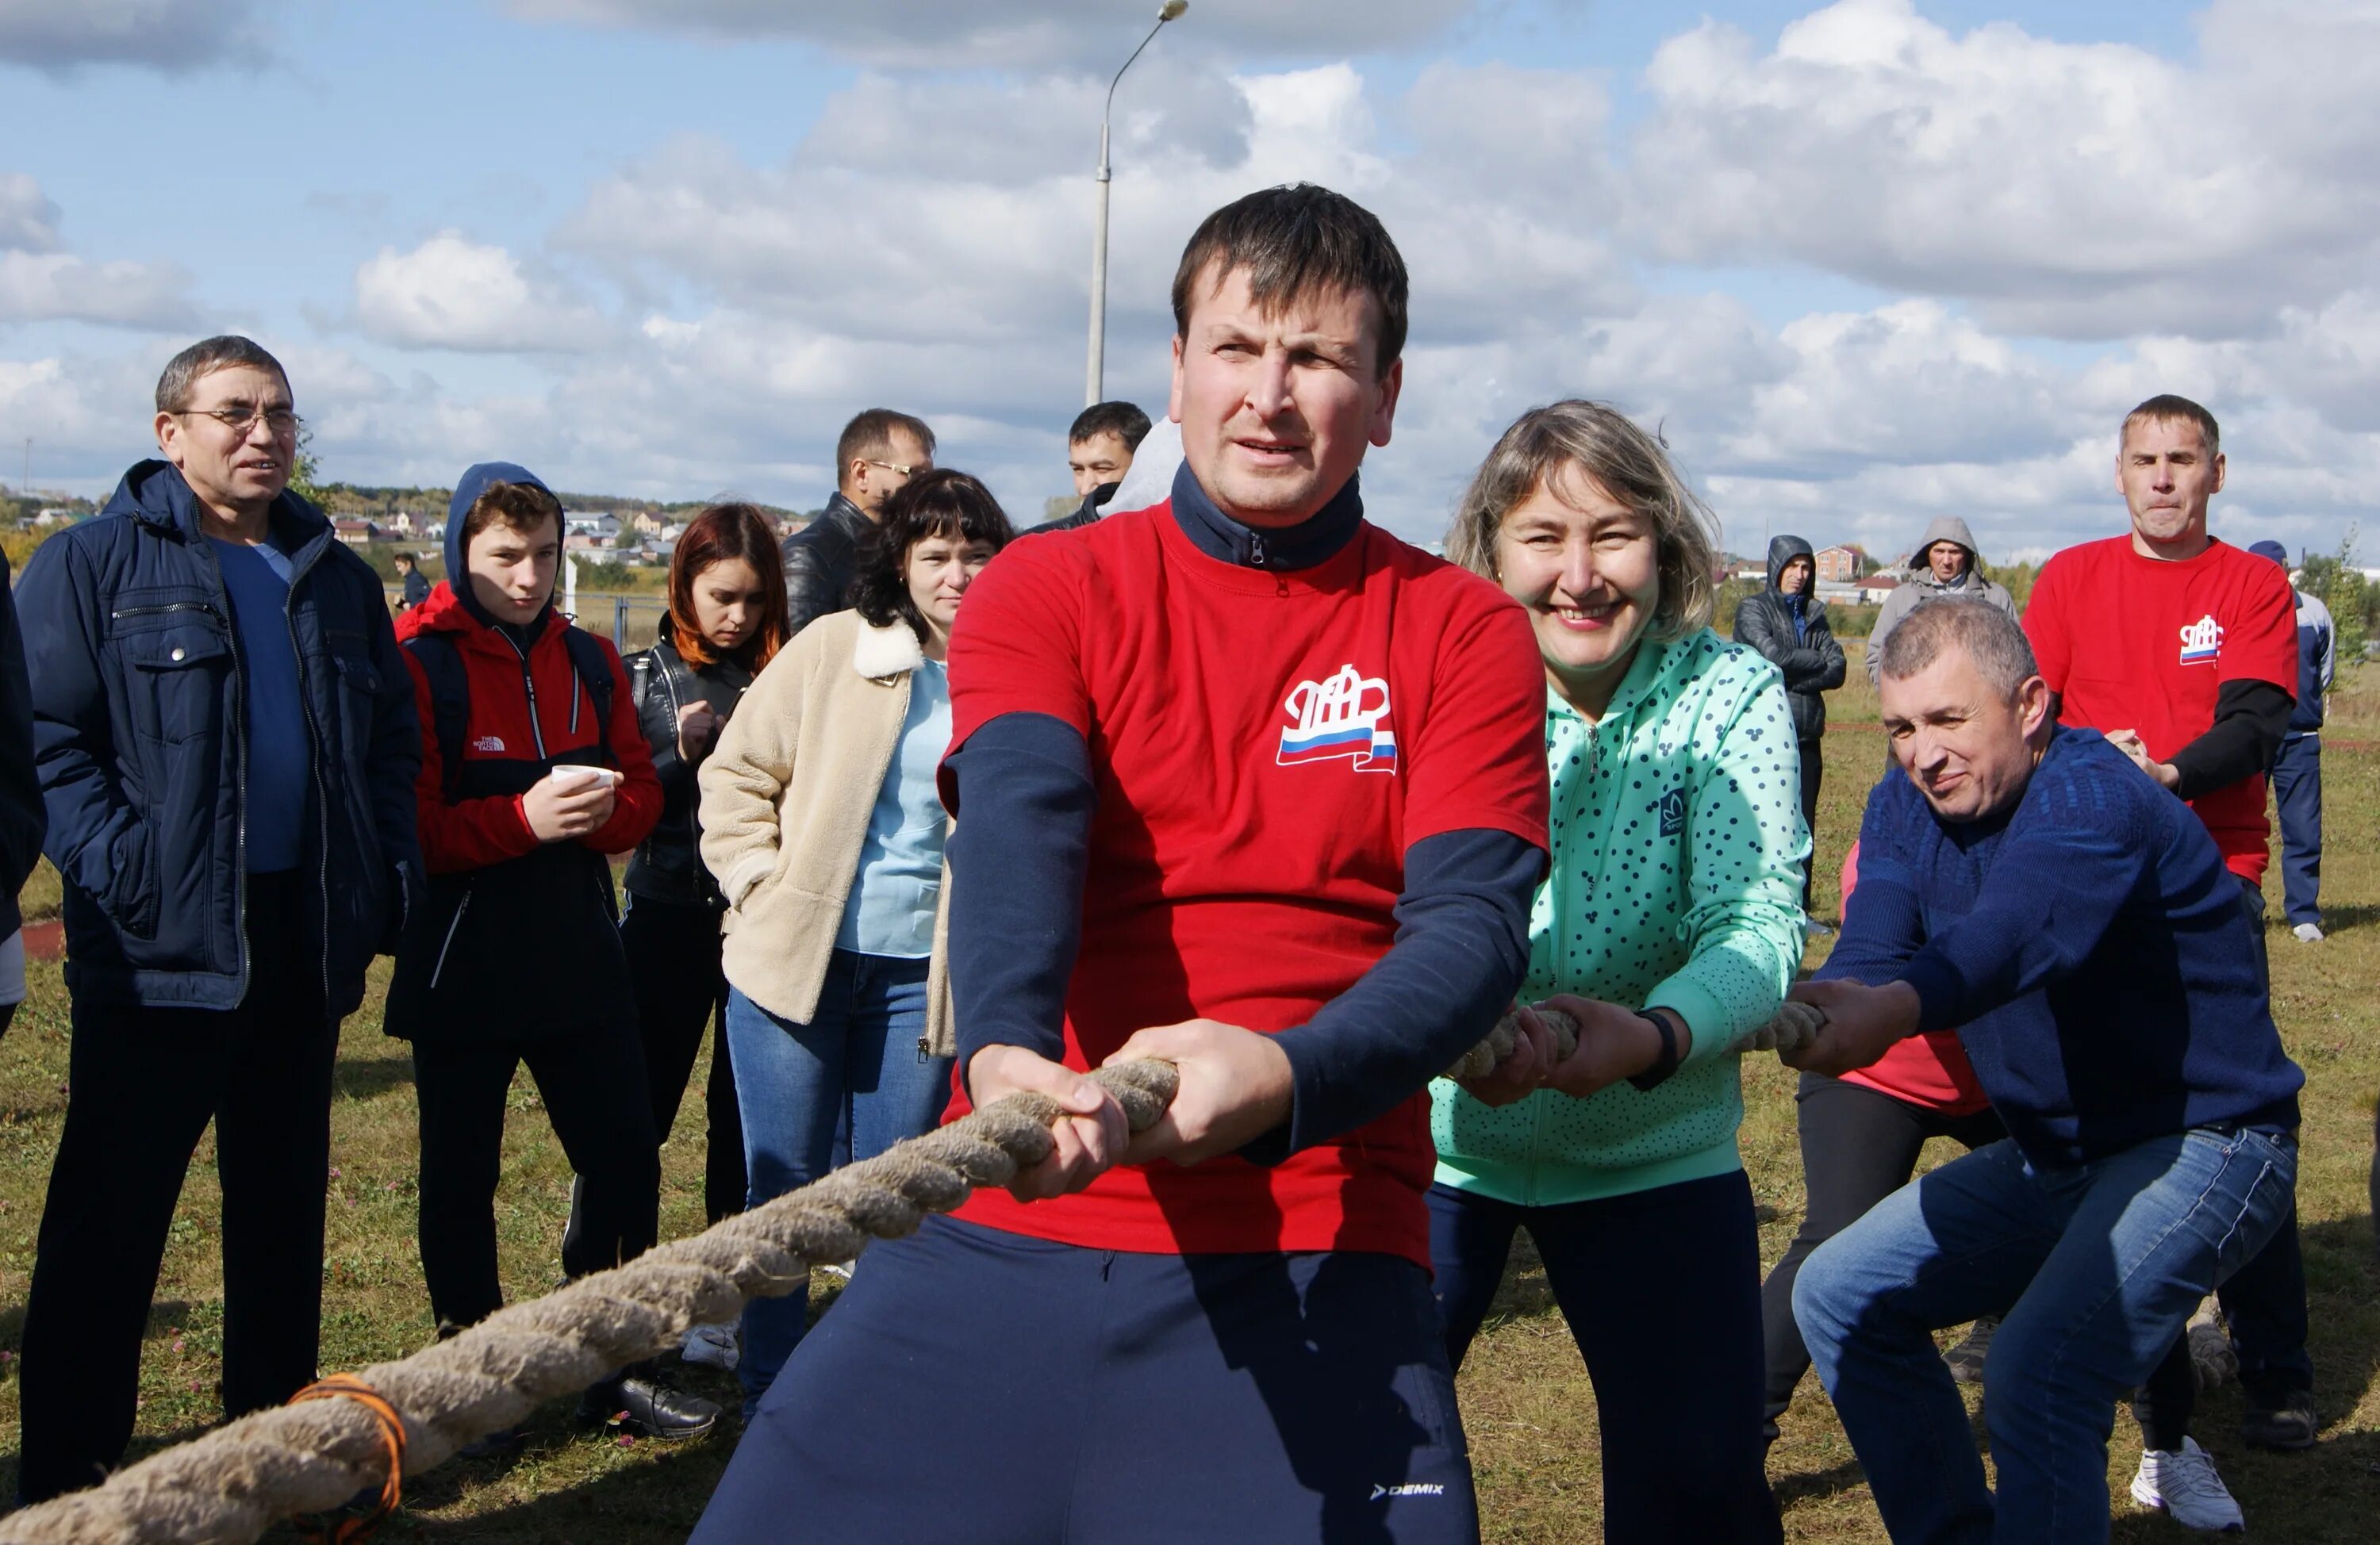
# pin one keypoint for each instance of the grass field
(1526, 1401)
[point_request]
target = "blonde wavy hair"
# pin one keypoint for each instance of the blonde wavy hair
(1596, 441)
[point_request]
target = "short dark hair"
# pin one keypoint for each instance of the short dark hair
(203, 359)
(405, 558)
(2167, 408)
(869, 435)
(1989, 637)
(943, 502)
(1124, 420)
(518, 506)
(1297, 241)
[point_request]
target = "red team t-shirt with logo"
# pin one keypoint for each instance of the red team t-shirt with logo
(1266, 747)
(2134, 643)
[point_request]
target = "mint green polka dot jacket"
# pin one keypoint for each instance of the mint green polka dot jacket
(1676, 881)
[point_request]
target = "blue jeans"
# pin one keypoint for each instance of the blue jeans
(2103, 1263)
(857, 1057)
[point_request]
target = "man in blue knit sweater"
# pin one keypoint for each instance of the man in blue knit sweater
(2032, 887)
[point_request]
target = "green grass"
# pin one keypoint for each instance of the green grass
(1526, 1401)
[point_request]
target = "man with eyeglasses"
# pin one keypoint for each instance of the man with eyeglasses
(227, 742)
(880, 450)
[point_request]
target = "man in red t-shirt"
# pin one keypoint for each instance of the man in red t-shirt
(2183, 648)
(1245, 783)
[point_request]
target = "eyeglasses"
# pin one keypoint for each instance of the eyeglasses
(241, 417)
(910, 471)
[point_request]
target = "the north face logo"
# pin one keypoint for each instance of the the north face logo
(494, 745)
(2201, 642)
(1346, 715)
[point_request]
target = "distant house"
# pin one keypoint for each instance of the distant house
(1876, 589)
(1751, 569)
(646, 523)
(403, 524)
(1843, 564)
(357, 533)
(57, 518)
(586, 541)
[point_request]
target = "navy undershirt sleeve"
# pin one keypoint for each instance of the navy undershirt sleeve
(1460, 949)
(1017, 856)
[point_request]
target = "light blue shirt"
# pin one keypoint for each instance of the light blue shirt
(890, 911)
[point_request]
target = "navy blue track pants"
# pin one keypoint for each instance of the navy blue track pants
(982, 1386)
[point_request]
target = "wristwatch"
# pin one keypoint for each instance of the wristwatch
(1654, 1076)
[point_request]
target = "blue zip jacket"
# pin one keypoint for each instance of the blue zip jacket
(141, 749)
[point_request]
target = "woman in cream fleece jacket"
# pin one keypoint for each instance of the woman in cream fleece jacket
(821, 821)
(1668, 925)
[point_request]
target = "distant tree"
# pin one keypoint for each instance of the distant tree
(2354, 602)
(306, 472)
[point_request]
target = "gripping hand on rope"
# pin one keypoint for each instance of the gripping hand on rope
(1234, 1086)
(1575, 1045)
(1860, 1024)
(1084, 1142)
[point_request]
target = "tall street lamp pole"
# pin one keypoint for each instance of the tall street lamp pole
(1092, 384)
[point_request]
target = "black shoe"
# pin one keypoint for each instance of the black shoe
(644, 1407)
(2288, 1423)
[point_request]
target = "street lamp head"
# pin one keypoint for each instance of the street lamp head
(1171, 10)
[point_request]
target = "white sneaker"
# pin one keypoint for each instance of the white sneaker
(2186, 1488)
(1814, 929)
(2308, 932)
(713, 1346)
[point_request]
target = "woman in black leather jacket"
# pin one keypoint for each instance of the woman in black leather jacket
(726, 611)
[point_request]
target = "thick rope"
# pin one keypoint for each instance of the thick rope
(230, 1486)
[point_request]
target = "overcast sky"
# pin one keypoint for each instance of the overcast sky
(1866, 263)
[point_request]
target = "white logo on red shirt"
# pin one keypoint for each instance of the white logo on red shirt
(2201, 642)
(1346, 715)
(494, 745)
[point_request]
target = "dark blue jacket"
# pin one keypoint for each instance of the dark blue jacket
(2096, 958)
(141, 748)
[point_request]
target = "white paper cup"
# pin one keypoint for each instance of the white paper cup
(569, 776)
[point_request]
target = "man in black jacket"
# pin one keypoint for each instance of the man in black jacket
(22, 820)
(1099, 448)
(1787, 622)
(877, 453)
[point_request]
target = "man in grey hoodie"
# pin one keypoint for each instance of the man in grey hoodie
(1946, 568)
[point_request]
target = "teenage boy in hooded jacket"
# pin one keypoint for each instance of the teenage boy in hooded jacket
(517, 957)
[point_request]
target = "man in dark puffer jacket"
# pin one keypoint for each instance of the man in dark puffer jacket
(226, 744)
(1787, 624)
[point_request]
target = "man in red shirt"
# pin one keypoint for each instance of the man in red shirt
(2183, 648)
(1247, 784)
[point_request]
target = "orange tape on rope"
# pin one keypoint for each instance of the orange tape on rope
(347, 1386)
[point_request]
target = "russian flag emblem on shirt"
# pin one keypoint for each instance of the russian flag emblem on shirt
(2201, 642)
(1345, 715)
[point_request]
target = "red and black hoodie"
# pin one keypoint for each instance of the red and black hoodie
(520, 940)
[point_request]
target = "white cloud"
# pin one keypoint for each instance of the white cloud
(28, 220)
(450, 293)
(59, 287)
(2089, 191)
(1027, 34)
(170, 35)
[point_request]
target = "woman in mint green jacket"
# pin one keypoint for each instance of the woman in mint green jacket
(1669, 926)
